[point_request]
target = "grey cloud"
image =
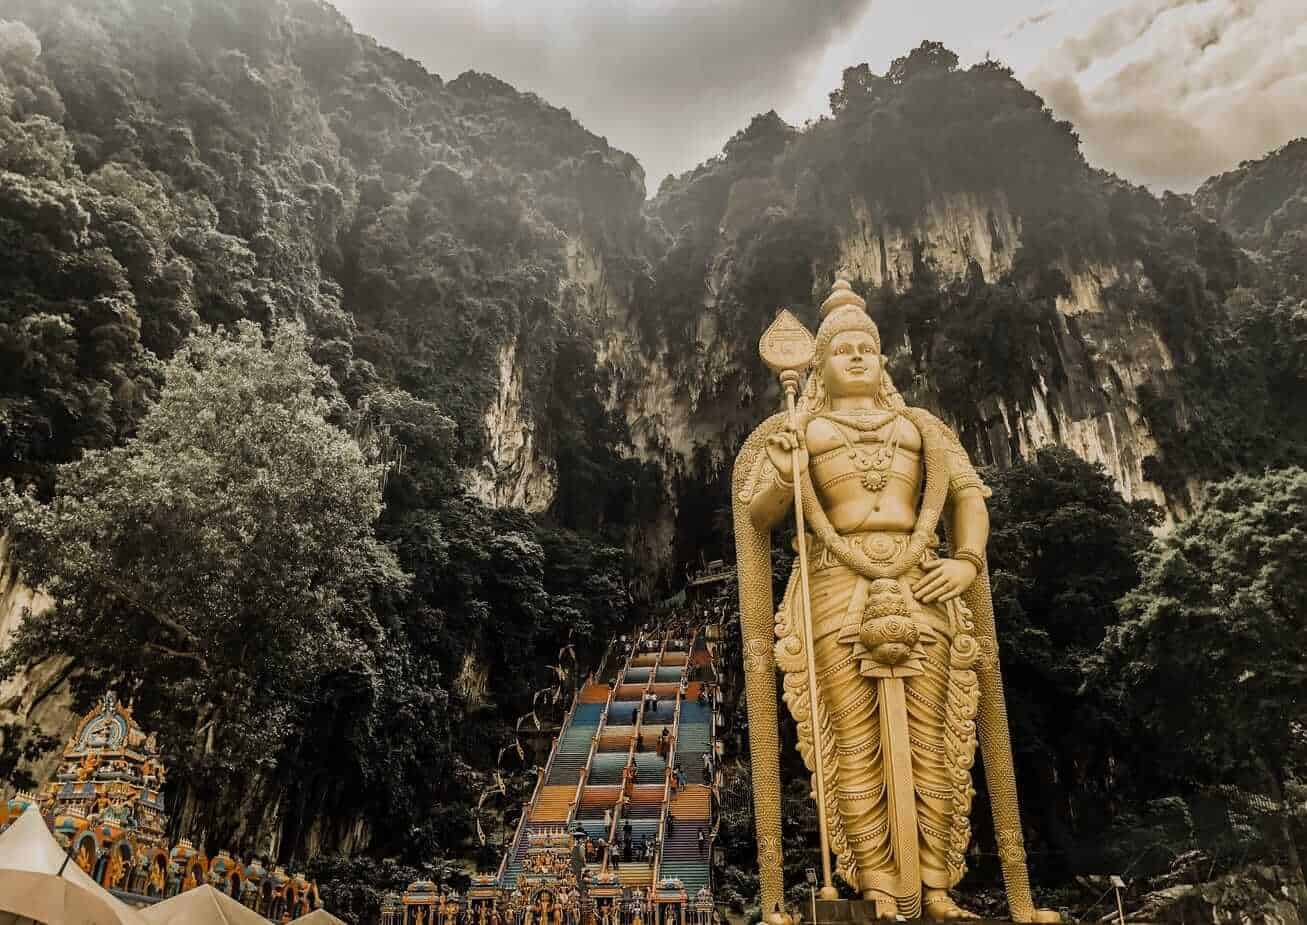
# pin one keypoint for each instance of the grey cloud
(669, 81)
(1185, 95)
(1117, 30)
(1029, 21)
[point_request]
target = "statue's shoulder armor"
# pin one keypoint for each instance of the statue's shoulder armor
(938, 438)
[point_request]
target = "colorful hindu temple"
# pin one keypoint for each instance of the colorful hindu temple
(105, 808)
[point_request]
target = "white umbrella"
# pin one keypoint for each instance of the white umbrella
(38, 883)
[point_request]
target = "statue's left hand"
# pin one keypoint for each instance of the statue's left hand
(944, 580)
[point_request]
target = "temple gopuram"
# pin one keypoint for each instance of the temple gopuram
(104, 807)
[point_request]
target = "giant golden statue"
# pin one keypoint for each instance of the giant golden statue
(904, 659)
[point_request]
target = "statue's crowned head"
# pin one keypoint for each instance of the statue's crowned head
(847, 328)
(843, 311)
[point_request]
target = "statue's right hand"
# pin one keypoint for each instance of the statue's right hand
(780, 450)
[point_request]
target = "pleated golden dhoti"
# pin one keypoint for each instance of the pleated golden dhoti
(898, 699)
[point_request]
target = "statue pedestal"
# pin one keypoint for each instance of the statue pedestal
(860, 912)
(839, 912)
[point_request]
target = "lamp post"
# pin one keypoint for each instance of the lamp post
(1118, 885)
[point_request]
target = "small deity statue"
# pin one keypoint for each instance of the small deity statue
(101, 733)
(901, 635)
(86, 856)
(118, 812)
(114, 871)
(156, 880)
(421, 917)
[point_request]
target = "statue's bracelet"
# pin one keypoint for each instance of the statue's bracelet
(970, 555)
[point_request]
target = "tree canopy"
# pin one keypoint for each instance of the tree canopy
(223, 559)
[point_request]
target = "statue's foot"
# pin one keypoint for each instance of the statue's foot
(938, 906)
(886, 907)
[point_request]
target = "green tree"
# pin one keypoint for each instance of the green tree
(221, 565)
(1210, 648)
(1062, 550)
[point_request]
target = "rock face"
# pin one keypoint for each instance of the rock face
(512, 473)
(1264, 895)
(1087, 393)
(1087, 397)
(16, 598)
(38, 701)
(1111, 288)
(951, 231)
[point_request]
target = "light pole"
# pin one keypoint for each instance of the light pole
(811, 875)
(1118, 885)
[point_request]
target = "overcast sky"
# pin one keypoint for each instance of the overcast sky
(1164, 92)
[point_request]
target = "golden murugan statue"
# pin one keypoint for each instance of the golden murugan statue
(904, 658)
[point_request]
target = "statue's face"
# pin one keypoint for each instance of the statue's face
(852, 366)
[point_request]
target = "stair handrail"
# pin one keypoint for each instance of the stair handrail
(667, 777)
(541, 778)
(517, 836)
(630, 751)
(712, 785)
(635, 735)
(589, 756)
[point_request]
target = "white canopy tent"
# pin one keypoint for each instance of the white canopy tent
(39, 884)
(318, 917)
(201, 906)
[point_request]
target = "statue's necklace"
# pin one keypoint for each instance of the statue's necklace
(874, 463)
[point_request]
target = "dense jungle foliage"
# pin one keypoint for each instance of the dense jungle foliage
(252, 263)
(166, 167)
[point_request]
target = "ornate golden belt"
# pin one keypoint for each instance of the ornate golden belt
(876, 545)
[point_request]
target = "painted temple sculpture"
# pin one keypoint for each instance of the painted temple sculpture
(104, 806)
(904, 660)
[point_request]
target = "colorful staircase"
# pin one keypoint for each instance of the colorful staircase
(605, 777)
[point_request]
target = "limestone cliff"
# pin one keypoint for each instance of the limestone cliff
(38, 701)
(1029, 302)
(473, 246)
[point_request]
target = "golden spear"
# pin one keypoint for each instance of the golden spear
(788, 348)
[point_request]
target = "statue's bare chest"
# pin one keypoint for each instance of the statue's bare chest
(861, 457)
